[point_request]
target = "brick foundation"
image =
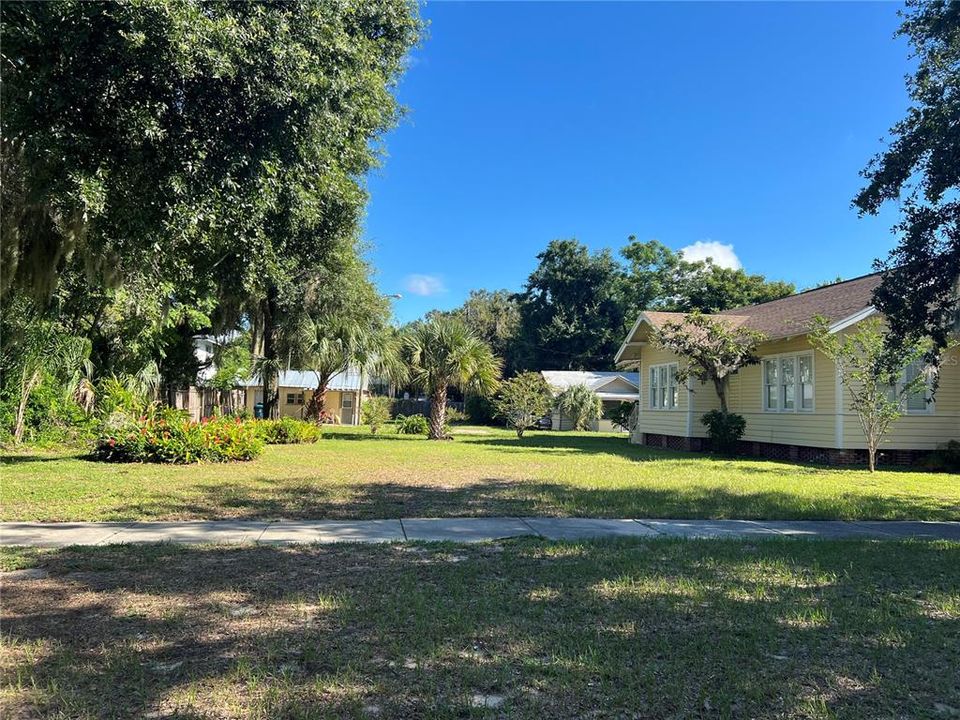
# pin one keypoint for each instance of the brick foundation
(791, 453)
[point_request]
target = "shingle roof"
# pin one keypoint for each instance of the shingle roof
(659, 319)
(793, 314)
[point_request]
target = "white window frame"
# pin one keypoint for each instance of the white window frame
(797, 385)
(346, 401)
(927, 391)
(663, 396)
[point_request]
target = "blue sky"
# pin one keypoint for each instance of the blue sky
(738, 124)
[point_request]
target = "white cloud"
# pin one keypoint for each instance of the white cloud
(423, 285)
(723, 255)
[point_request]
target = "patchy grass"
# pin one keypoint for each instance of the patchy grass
(351, 474)
(524, 629)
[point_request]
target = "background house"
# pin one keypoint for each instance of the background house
(793, 401)
(612, 388)
(298, 386)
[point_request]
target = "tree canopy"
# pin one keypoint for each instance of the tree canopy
(572, 313)
(712, 349)
(577, 306)
(174, 167)
(217, 145)
(921, 168)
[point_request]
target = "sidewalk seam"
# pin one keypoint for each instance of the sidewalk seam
(770, 529)
(265, 528)
(648, 526)
(125, 526)
(531, 528)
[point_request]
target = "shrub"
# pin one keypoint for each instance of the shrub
(51, 418)
(170, 437)
(412, 425)
(724, 429)
(375, 412)
(479, 409)
(114, 393)
(946, 457)
(620, 415)
(523, 400)
(287, 431)
(455, 417)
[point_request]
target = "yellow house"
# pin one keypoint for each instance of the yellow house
(793, 401)
(297, 387)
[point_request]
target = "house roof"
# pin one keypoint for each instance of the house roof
(849, 300)
(560, 380)
(793, 314)
(307, 380)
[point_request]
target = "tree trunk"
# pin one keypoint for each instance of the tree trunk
(271, 388)
(872, 456)
(438, 414)
(721, 388)
(26, 388)
(358, 413)
(520, 432)
(317, 407)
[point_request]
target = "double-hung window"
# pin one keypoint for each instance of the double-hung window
(664, 392)
(788, 383)
(918, 401)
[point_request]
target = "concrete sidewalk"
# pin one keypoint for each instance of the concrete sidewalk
(284, 532)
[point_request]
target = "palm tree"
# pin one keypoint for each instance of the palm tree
(44, 351)
(349, 342)
(343, 324)
(581, 405)
(442, 352)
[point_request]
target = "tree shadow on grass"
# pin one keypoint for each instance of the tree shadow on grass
(24, 459)
(301, 499)
(640, 628)
(558, 443)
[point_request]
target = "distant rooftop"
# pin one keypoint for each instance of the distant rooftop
(307, 380)
(601, 382)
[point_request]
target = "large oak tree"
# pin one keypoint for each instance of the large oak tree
(921, 168)
(218, 147)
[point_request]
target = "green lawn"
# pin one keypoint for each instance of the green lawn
(351, 474)
(522, 629)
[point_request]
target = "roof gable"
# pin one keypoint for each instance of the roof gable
(842, 303)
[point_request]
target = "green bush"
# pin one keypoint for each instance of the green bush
(287, 431)
(945, 457)
(724, 429)
(479, 410)
(170, 437)
(412, 425)
(455, 417)
(375, 412)
(619, 415)
(51, 418)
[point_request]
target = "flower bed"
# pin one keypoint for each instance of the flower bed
(172, 438)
